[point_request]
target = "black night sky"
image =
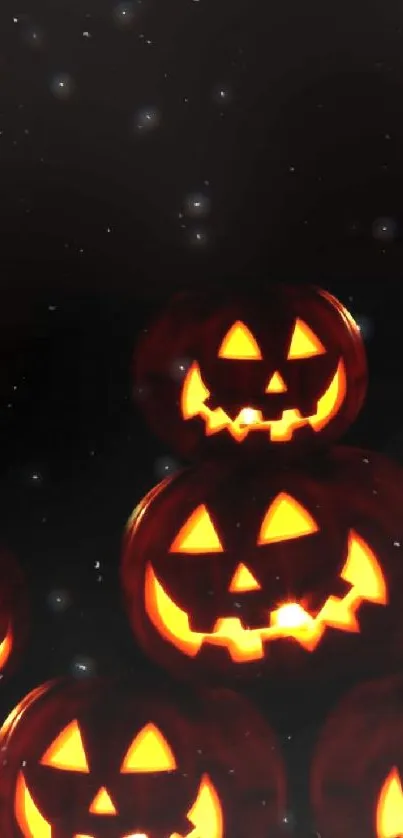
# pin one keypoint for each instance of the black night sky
(151, 146)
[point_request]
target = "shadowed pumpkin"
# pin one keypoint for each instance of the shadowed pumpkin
(358, 765)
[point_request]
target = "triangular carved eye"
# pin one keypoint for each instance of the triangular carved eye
(67, 751)
(149, 752)
(304, 343)
(240, 344)
(198, 534)
(285, 519)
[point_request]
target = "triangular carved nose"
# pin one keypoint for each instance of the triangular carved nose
(102, 804)
(243, 580)
(276, 384)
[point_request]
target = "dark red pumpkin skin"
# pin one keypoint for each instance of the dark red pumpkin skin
(192, 328)
(215, 733)
(360, 743)
(348, 490)
(13, 614)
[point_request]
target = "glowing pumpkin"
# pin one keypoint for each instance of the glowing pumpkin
(357, 771)
(284, 370)
(12, 613)
(235, 567)
(98, 759)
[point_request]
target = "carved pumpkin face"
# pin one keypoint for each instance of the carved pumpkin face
(229, 562)
(287, 369)
(358, 767)
(12, 612)
(148, 753)
(97, 760)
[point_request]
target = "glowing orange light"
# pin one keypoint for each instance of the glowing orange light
(285, 519)
(6, 646)
(102, 804)
(304, 343)
(67, 751)
(149, 752)
(276, 384)
(389, 813)
(205, 814)
(243, 580)
(248, 416)
(239, 344)
(290, 620)
(198, 535)
(291, 615)
(195, 394)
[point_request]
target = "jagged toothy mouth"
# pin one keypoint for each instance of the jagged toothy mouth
(195, 395)
(361, 570)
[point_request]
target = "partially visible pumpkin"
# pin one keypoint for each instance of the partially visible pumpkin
(357, 772)
(235, 569)
(120, 759)
(13, 613)
(281, 370)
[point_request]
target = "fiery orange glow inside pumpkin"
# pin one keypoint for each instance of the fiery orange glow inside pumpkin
(389, 812)
(6, 648)
(149, 752)
(285, 519)
(240, 344)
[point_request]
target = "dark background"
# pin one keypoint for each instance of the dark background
(151, 146)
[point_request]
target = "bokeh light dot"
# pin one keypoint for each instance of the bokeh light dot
(384, 229)
(62, 86)
(83, 667)
(165, 467)
(147, 119)
(197, 205)
(59, 600)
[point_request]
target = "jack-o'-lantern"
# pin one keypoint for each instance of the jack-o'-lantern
(357, 771)
(109, 759)
(13, 612)
(235, 567)
(284, 370)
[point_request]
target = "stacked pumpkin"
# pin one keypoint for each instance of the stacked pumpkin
(115, 758)
(273, 557)
(277, 556)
